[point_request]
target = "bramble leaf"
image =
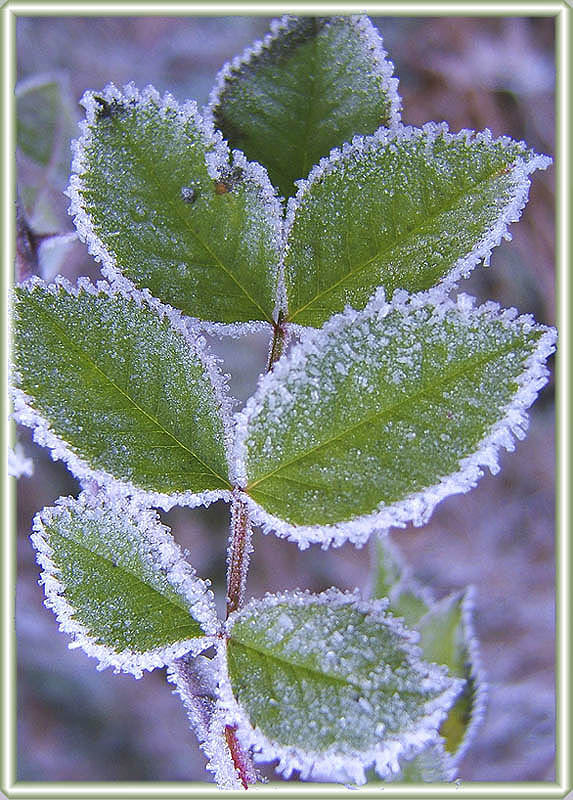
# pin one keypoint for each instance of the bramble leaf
(379, 415)
(119, 389)
(159, 199)
(403, 209)
(310, 85)
(331, 685)
(393, 579)
(120, 586)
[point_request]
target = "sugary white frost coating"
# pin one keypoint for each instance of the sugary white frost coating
(148, 208)
(369, 422)
(406, 208)
(119, 585)
(330, 685)
(121, 350)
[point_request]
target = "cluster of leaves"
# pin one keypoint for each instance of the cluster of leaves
(394, 396)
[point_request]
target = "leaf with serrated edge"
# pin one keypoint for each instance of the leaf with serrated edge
(447, 637)
(330, 685)
(118, 583)
(159, 199)
(115, 385)
(406, 208)
(375, 418)
(392, 578)
(308, 86)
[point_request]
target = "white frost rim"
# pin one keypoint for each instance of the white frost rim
(169, 557)
(25, 414)
(218, 160)
(331, 766)
(417, 507)
(389, 138)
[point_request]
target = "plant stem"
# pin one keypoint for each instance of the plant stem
(241, 759)
(278, 341)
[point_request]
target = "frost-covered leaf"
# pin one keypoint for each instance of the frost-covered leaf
(119, 584)
(403, 209)
(115, 385)
(310, 85)
(159, 199)
(378, 416)
(330, 685)
(447, 637)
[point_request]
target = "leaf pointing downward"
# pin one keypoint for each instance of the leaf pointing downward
(382, 413)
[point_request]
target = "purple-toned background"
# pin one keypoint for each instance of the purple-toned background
(79, 724)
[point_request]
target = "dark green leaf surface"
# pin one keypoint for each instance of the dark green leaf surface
(327, 677)
(386, 411)
(314, 84)
(157, 198)
(403, 210)
(122, 386)
(119, 584)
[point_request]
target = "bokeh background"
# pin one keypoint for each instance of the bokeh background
(79, 724)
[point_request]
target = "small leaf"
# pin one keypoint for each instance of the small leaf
(120, 391)
(310, 85)
(119, 584)
(330, 685)
(378, 416)
(393, 579)
(403, 209)
(447, 638)
(158, 199)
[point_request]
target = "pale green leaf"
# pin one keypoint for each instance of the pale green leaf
(382, 413)
(331, 685)
(311, 85)
(158, 198)
(117, 387)
(119, 584)
(392, 579)
(404, 209)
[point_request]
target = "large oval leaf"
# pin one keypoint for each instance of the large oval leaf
(331, 685)
(119, 584)
(403, 209)
(117, 388)
(156, 196)
(376, 417)
(310, 85)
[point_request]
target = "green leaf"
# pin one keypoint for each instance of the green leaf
(447, 638)
(158, 199)
(378, 416)
(312, 84)
(403, 209)
(119, 584)
(331, 685)
(392, 579)
(119, 389)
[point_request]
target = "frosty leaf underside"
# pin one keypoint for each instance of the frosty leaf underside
(372, 696)
(446, 637)
(311, 85)
(406, 209)
(387, 410)
(119, 584)
(158, 198)
(129, 393)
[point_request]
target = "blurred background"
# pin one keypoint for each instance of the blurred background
(77, 724)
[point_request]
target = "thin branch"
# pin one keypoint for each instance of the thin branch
(240, 548)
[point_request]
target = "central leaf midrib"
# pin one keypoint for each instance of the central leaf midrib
(75, 346)
(426, 390)
(175, 601)
(400, 241)
(184, 219)
(283, 660)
